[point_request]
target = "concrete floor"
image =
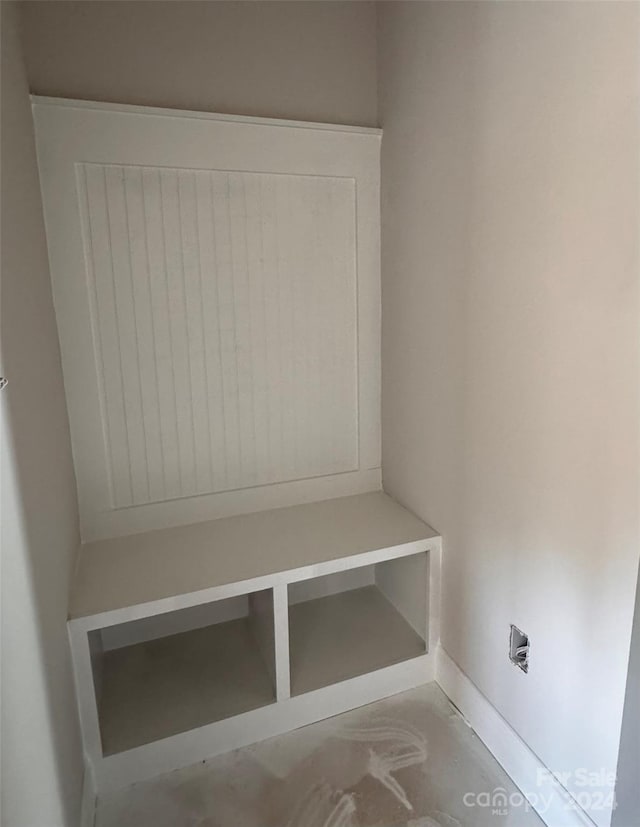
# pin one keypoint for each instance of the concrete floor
(407, 761)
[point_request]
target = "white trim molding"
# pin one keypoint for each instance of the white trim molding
(88, 801)
(103, 106)
(216, 283)
(552, 802)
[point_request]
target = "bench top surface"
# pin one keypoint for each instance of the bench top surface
(141, 568)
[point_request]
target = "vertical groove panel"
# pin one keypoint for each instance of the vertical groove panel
(225, 270)
(256, 304)
(240, 287)
(195, 331)
(176, 305)
(286, 349)
(273, 363)
(145, 337)
(211, 331)
(164, 368)
(226, 317)
(108, 334)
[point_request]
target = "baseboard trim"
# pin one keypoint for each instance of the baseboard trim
(88, 803)
(550, 799)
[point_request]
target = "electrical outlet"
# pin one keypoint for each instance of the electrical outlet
(519, 648)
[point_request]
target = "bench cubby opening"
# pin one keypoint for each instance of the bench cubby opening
(354, 622)
(174, 672)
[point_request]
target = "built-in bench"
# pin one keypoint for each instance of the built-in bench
(194, 640)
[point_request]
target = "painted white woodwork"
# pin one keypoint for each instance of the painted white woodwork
(281, 632)
(225, 314)
(198, 114)
(374, 652)
(186, 748)
(216, 285)
(330, 584)
(175, 684)
(88, 694)
(89, 799)
(127, 578)
(233, 608)
(172, 623)
(401, 583)
(540, 785)
(261, 619)
(343, 635)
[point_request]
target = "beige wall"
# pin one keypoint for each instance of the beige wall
(41, 755)
(510, 343)
(307, 61)
(510, 370)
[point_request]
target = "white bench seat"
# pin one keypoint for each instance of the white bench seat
(194, 640)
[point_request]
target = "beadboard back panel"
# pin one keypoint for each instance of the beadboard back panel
(224, 316)
(216, 284)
